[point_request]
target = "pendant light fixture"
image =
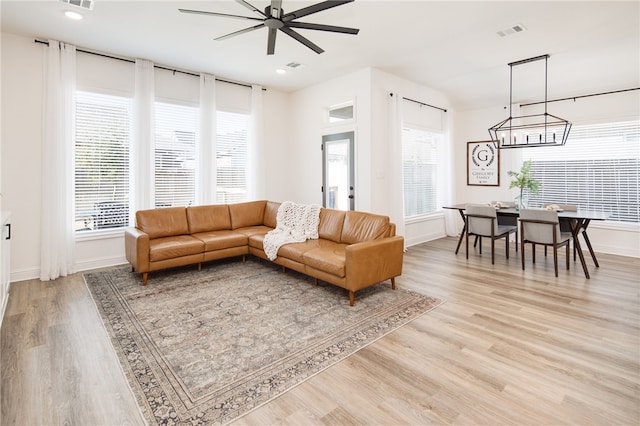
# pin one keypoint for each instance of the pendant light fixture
(530, 130)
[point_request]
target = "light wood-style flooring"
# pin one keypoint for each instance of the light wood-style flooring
(507, 347)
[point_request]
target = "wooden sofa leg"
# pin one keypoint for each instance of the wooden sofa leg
(315, 281)
(199, 266)
(145, 278)
(393, 283)
(352, 297)
(244, 258)
(284, 269)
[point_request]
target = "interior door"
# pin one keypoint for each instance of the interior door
(338, 177)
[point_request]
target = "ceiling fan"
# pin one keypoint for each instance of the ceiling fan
(275, 19)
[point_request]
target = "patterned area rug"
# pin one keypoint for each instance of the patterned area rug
(207, 347)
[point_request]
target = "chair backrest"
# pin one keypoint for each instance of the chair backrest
(478, 225)
(541, 233)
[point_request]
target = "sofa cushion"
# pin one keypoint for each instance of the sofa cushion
(247, 214)
(164, 248)
(208, 218)
(296, 251)
(329, 258)
(250, 231)
(330, 225)
(359, 227)
(163, 222)
(218, 240)
(271, 214)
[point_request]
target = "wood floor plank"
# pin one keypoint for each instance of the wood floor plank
(506, 347)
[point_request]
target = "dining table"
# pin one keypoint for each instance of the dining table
(578, 220)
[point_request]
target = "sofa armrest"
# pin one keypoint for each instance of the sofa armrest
(374, 261)
(136, 243)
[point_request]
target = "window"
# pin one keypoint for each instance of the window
(598, 169)
(175, 154)
(231, 157)
(421, 151)
(101, 161)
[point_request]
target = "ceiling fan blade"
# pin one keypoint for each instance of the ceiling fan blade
(235, 33)
(301, 39)
(251, 7)
(271, 41)
(318, 7)
(203, 12)
(322, 27)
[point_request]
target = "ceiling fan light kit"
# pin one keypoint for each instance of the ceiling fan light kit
(530, 130)
(274, 19)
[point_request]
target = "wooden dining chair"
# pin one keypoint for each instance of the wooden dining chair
(482, 221)
(541, 226)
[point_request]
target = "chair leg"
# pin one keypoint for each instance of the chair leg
(533, 256)
(516, 240)
(568, 256)
(555, 259)
(480, 244)
(493, 250)
(522, 252)
(507, 245)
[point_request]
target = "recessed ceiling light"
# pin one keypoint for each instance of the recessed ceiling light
(281, 71)
(73, 15)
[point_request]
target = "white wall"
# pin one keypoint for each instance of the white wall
(308, 124)
(22, 92)
(369, 88)
(21, 149)
(472, 126)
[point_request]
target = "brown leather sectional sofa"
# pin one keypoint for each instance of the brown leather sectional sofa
(355, 249)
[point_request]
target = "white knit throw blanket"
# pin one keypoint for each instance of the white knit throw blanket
(295, 223)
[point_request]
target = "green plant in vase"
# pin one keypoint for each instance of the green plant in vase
(524, 180)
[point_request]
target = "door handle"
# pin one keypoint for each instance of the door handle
(351, 197)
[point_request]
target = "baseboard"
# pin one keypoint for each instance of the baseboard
(423, 239)
(84, 265)
(97, 263)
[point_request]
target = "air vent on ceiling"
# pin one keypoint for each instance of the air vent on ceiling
(294, 64)
(85, 4)
(514, 29)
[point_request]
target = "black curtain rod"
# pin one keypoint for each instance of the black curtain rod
(155, 66)
(421, 103)
(582, 96)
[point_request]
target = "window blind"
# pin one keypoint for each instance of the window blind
(598, 169)
(231, 157)
(175, 154)
(102, 138)
(420, 152)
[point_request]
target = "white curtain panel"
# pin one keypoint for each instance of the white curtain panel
(451, 217)
(143, 147)
(396, 180)
(206, 148)
(57, 233)
(256, 174)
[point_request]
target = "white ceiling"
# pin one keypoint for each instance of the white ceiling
(451, 46)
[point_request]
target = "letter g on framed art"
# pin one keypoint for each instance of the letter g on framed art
(483, 164)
